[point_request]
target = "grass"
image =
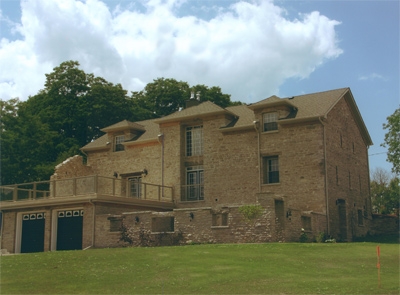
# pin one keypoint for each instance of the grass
(273, 268)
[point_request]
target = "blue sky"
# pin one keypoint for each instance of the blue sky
(251, 49)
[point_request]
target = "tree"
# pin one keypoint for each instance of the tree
(162, 96)
(26, 145)
(392, 140)
(53, 124)
(385, 192)
(77, 105)
(70, 112)
(165, 96)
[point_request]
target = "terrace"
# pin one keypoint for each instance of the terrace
(86, 189)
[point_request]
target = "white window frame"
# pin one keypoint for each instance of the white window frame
(270, 121)
(194, 140)
(119, 139)
(135, 187)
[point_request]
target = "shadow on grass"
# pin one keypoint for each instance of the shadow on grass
(384, 239)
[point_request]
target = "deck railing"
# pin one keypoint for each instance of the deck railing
(86, 185)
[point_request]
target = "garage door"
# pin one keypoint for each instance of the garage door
(69, 230)
(32, 239)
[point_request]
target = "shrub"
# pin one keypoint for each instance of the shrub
(303, 236)
(251, 212)
(320, 238)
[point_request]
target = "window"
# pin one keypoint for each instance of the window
(270, 121)
(115, 224)
(271, 170)
(162, 224)
(118, 143)
(220, 219)
(360, 217)
(194, 188)
(194, 140)
(135, 186)
(306, 223)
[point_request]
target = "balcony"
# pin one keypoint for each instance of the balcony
(192, 192)
(87, 188)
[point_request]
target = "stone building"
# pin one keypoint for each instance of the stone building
(303, 159)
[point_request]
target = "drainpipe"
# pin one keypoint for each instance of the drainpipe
(326, 180)
(161, 140)
(94, 225)
(258, 155)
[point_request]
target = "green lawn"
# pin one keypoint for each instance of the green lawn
(273, 268)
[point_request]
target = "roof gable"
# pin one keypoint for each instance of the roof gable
(124, 125)
(203, 109)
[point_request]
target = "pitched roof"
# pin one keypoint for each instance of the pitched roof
(201, 110)
(307, 106)
(123, 125)
(148, 127)
(244, 118)
(316, 104)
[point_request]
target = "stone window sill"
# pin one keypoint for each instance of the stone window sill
(219, 226)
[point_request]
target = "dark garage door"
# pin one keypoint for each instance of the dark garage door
(69, 230)
(32, 239)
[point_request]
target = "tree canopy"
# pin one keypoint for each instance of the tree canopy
(69, 112)
(392, 140)
(385, 194)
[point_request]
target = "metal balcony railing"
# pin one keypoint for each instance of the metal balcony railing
(86, 185)
(192, 192)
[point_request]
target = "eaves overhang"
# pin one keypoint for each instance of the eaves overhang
(239, 128)
(97, 148)
(300, 120)
(138, 142)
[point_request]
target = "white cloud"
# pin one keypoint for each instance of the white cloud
(248, 49)
(370, 77)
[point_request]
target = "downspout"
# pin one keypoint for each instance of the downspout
(161, 140)
(258, 155)
(326, 180)
(94, 226)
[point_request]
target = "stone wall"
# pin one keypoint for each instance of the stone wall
(385, 225)
(348, 173)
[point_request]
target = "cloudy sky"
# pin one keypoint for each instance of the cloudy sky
(251, 49)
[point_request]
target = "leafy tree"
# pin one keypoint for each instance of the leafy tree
(385, 192)
(165, 96)
(26, 145)
(69, 112)
(77, 105)
(392, 140)
(162, 97)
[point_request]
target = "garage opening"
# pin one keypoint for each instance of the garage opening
(32, 238)
(69, 230)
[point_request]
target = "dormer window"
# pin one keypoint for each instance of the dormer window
(119, 139)
(270, 121)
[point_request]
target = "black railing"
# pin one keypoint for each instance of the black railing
(192, 192)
